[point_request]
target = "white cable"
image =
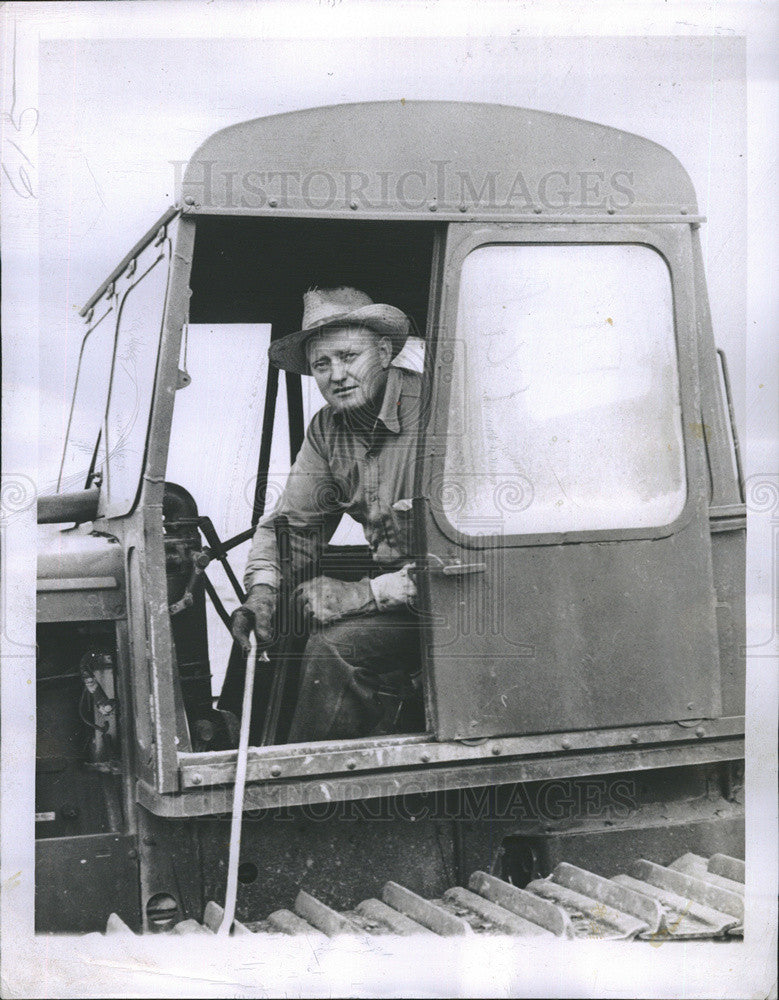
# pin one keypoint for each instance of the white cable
(231, 893)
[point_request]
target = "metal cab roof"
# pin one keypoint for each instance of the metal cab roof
(431, 158)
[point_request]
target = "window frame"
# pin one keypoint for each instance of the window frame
(82, 372)
(119, 507)
(672, 243)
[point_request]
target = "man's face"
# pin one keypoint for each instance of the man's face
(349, 365)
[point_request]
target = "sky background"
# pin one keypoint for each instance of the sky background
(115, 113)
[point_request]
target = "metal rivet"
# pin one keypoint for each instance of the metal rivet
(700, 731)
(351, 764)
(634, 737)
(432, 206)
(197, 779)
(610, 211)
(425, 758)
(690, 706)
(275, 771)
(272, 202)
(497, 749)
(353, 205)
(537, 210)
(189, 200)
(463, 208)
(473, 723)
(684, 211)
(565, 744)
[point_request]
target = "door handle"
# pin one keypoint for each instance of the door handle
(454, 567)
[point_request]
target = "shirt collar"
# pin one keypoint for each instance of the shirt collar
(388, 414)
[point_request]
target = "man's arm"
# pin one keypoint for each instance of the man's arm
(310, 503)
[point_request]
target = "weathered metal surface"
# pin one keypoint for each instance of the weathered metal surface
(531, 907)
(612, 641)
(170, 865)
(492, 916)
(732, 868)
(732, 422)
(613, 894)
(325, 919)
(725, 488)
(666, 819)
(423, 911)
(212, 918)
(59, 508)
(274, 763)
(395, 922)
(80, 881)
(681, 917)
(690, 887)
(728, 557)
(115, 925)
(287, 922)
(345, 786)
(436, 159)
(694, 864)
(492, 906)
(80, 577)
(80, 583)
(191, 926)
(590, 917)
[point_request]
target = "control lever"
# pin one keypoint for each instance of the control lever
(200, 560)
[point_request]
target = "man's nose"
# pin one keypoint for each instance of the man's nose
(338, 371)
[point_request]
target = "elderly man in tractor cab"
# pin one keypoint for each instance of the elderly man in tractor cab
(357, 458)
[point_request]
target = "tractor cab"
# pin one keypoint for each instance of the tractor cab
(577, 512)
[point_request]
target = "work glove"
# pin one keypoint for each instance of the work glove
(255, 613)
(328, 600)
(394, 590)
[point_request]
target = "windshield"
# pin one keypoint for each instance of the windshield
(112, 397)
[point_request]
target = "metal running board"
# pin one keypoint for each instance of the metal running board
(692, 898)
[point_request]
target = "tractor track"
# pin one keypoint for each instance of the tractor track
(692, 898)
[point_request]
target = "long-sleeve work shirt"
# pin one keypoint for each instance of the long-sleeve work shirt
(368, 475)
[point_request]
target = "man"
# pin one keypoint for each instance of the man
(357, 458)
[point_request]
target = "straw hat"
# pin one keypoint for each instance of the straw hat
(329, 307)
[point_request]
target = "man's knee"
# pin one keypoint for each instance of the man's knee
(337, 641)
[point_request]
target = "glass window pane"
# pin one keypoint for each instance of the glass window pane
(132, 384)
(565, 409)
(89, 402)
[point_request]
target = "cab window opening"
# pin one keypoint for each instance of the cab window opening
(238, 416)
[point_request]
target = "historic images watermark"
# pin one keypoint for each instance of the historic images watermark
(538, 805)
(439, 187)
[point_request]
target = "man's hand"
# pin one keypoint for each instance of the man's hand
(329, 600)
(255, 613)
(393, 590)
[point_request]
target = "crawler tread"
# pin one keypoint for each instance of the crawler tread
(692, 898)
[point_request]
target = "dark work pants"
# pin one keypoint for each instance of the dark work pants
(354, 674)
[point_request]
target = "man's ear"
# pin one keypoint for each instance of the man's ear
(385, 351)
